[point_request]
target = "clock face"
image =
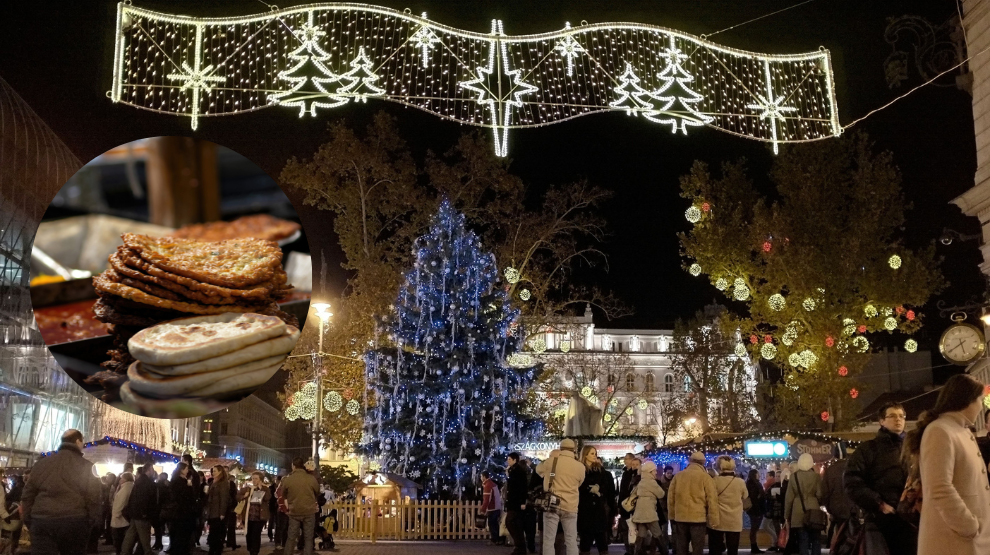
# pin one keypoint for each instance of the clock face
(962, 343)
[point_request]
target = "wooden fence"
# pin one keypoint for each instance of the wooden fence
(413, 520)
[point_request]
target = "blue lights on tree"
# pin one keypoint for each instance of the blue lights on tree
(444, 403)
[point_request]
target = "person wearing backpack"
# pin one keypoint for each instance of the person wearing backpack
(562, 475)
(732, 494)
(647, 494)
(800, 504)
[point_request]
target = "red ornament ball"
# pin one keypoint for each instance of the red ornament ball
(910, 315)
(753, 339)
(348, 393)
(767, 245)
(853, 393)
(705, 207)
(825, 416)
(767, 339)
(899, 310)
(843, 371)
(829, 341)
(861, 329)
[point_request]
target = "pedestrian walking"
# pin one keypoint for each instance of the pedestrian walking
(61, 501)
(693, 502)
(106, 490)
(10, 518)
(955, 515)
(628, 481)
(256, 511)
(774, 517)
(491, 506)
(562, 475)
(517, 507)
(118, 522)
(300, 490)
(142, 506)
(232, 520)
(757, 508)
(875, 478)
(644, 515)
(832, 494)
(182, 509)
(273, 508)
(218, 505)
(161, 488)
(596, 503)
(732, 493)
(799, 499)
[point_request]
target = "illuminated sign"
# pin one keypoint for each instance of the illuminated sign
(766, 448)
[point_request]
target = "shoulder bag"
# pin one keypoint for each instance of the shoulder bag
(747, 501)
(548, 501)
(814, 519)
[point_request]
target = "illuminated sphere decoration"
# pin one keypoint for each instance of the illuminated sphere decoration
(721, 284)
(706, 207)
(693, 214)
(525, 294)
(767, 246)
(890, 323)
(333, 402)
(565, 345)
(794, 359)
(910, 315)
(777, 302)
(353, 407)
(790, 336)
(829, 342)
(629, 410)
(849, 329)
(910, 345)
(753, 339)
(309, 390)
(870, 311)
(292, 412)
(808, 304)
(861, 344)
(895, 262)
(608, 418)
(642, 404)
(825, 416)
(539, 345)
(768, 351)
(512, 275)
(808, 358)
(741, 293)
(740, 350)
(843, 371)
(520, 360)
(853, 393)
(586, 391)
(695, 270)
(887, 311)
(307, 410)
(739, 282)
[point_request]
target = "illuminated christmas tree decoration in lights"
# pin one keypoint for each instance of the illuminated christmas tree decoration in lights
(861, 343)
(910, 345)
(870, 311)
(890, 323)
(332, 401)
(695, 270)
(808, 304)
(777, 302)
(525, 294)
(895, 262)
(511, 275)
(740, 350)
(172, 64)
(693, 214)
(353, 407)
(642, 404)
(721, 284)
(768, 351)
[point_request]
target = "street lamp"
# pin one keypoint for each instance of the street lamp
(324, 314)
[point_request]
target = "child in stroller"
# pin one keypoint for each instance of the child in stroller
(325, 527)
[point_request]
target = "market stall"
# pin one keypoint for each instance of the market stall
(110, 454)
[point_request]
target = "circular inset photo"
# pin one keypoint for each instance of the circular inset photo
(170, 277)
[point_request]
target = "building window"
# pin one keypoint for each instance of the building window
(648, 388)
(607, 343)
(668, 383)
(620, 346)
(687, 384)
(611, 379)
(630, 382)
(634, 344)
(223, 428)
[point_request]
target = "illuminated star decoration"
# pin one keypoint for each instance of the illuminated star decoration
(308, 50)
(570, 49)
(499, 106)
(425, 38)
(195, 78)
(771, 106)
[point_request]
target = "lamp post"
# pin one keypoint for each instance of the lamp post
(322, 311)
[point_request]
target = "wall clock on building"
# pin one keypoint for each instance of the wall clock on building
(962, 343)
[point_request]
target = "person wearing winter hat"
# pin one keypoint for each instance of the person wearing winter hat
(645, 516)
(802, 495)
(692, 502)
(562, 475)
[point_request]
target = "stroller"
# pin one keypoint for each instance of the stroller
(325, 527)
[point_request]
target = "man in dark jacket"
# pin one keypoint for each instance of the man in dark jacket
(875, 478)
(142, 506)
(630, 476)
(516, 505)
(832, 493)
(61, 501)
(161, 487)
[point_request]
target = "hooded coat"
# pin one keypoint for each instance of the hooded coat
(807, 481)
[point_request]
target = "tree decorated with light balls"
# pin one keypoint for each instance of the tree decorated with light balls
(821, 269)
(445, 403)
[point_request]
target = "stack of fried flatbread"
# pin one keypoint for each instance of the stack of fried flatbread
(222, 357)
(259, 226)
(152, 280)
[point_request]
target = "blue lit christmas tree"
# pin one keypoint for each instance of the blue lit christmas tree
(445, 404)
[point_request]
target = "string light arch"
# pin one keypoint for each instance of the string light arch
(321, 56)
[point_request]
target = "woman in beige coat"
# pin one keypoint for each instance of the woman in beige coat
(955, 513)
(731, 493)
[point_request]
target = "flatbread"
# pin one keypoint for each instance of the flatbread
(262, 290)
(281, 345)
(137, 275)
(259, 226)
(103, 284)
(180, 407)
(240, 382)
(233, 263)
(201, 337)
(154, 385)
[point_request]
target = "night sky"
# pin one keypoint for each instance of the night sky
(58, 57)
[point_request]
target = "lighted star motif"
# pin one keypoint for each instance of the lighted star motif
(771, 106)
(309, 34)
(570, 49)
(499, 106)
(197, 80)
(425, 38)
